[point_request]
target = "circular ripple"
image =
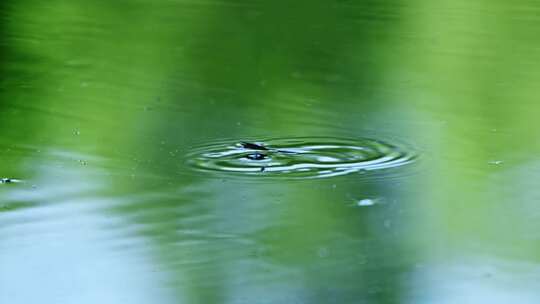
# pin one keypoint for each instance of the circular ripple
(305, 157)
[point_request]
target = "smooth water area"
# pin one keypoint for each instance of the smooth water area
(267, 152)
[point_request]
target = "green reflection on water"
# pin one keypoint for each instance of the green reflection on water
(100, 103)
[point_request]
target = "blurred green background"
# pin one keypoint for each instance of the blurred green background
(101, 101)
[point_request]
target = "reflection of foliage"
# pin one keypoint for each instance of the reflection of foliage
(136, 83)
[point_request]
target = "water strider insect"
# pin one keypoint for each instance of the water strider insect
(259, 155)
(252, 146)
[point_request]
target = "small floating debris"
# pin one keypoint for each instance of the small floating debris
(495, 162)
(7, 180)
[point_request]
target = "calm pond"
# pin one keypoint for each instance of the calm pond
(201, 151)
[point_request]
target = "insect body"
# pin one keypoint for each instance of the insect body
(252, 146)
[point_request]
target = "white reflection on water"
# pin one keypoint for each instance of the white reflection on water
(59, 250)
(476, 280)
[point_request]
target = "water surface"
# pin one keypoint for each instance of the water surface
(117, 120)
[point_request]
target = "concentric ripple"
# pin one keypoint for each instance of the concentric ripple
(306, 157)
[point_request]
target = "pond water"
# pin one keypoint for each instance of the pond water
(300, 158)
(267, 152)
